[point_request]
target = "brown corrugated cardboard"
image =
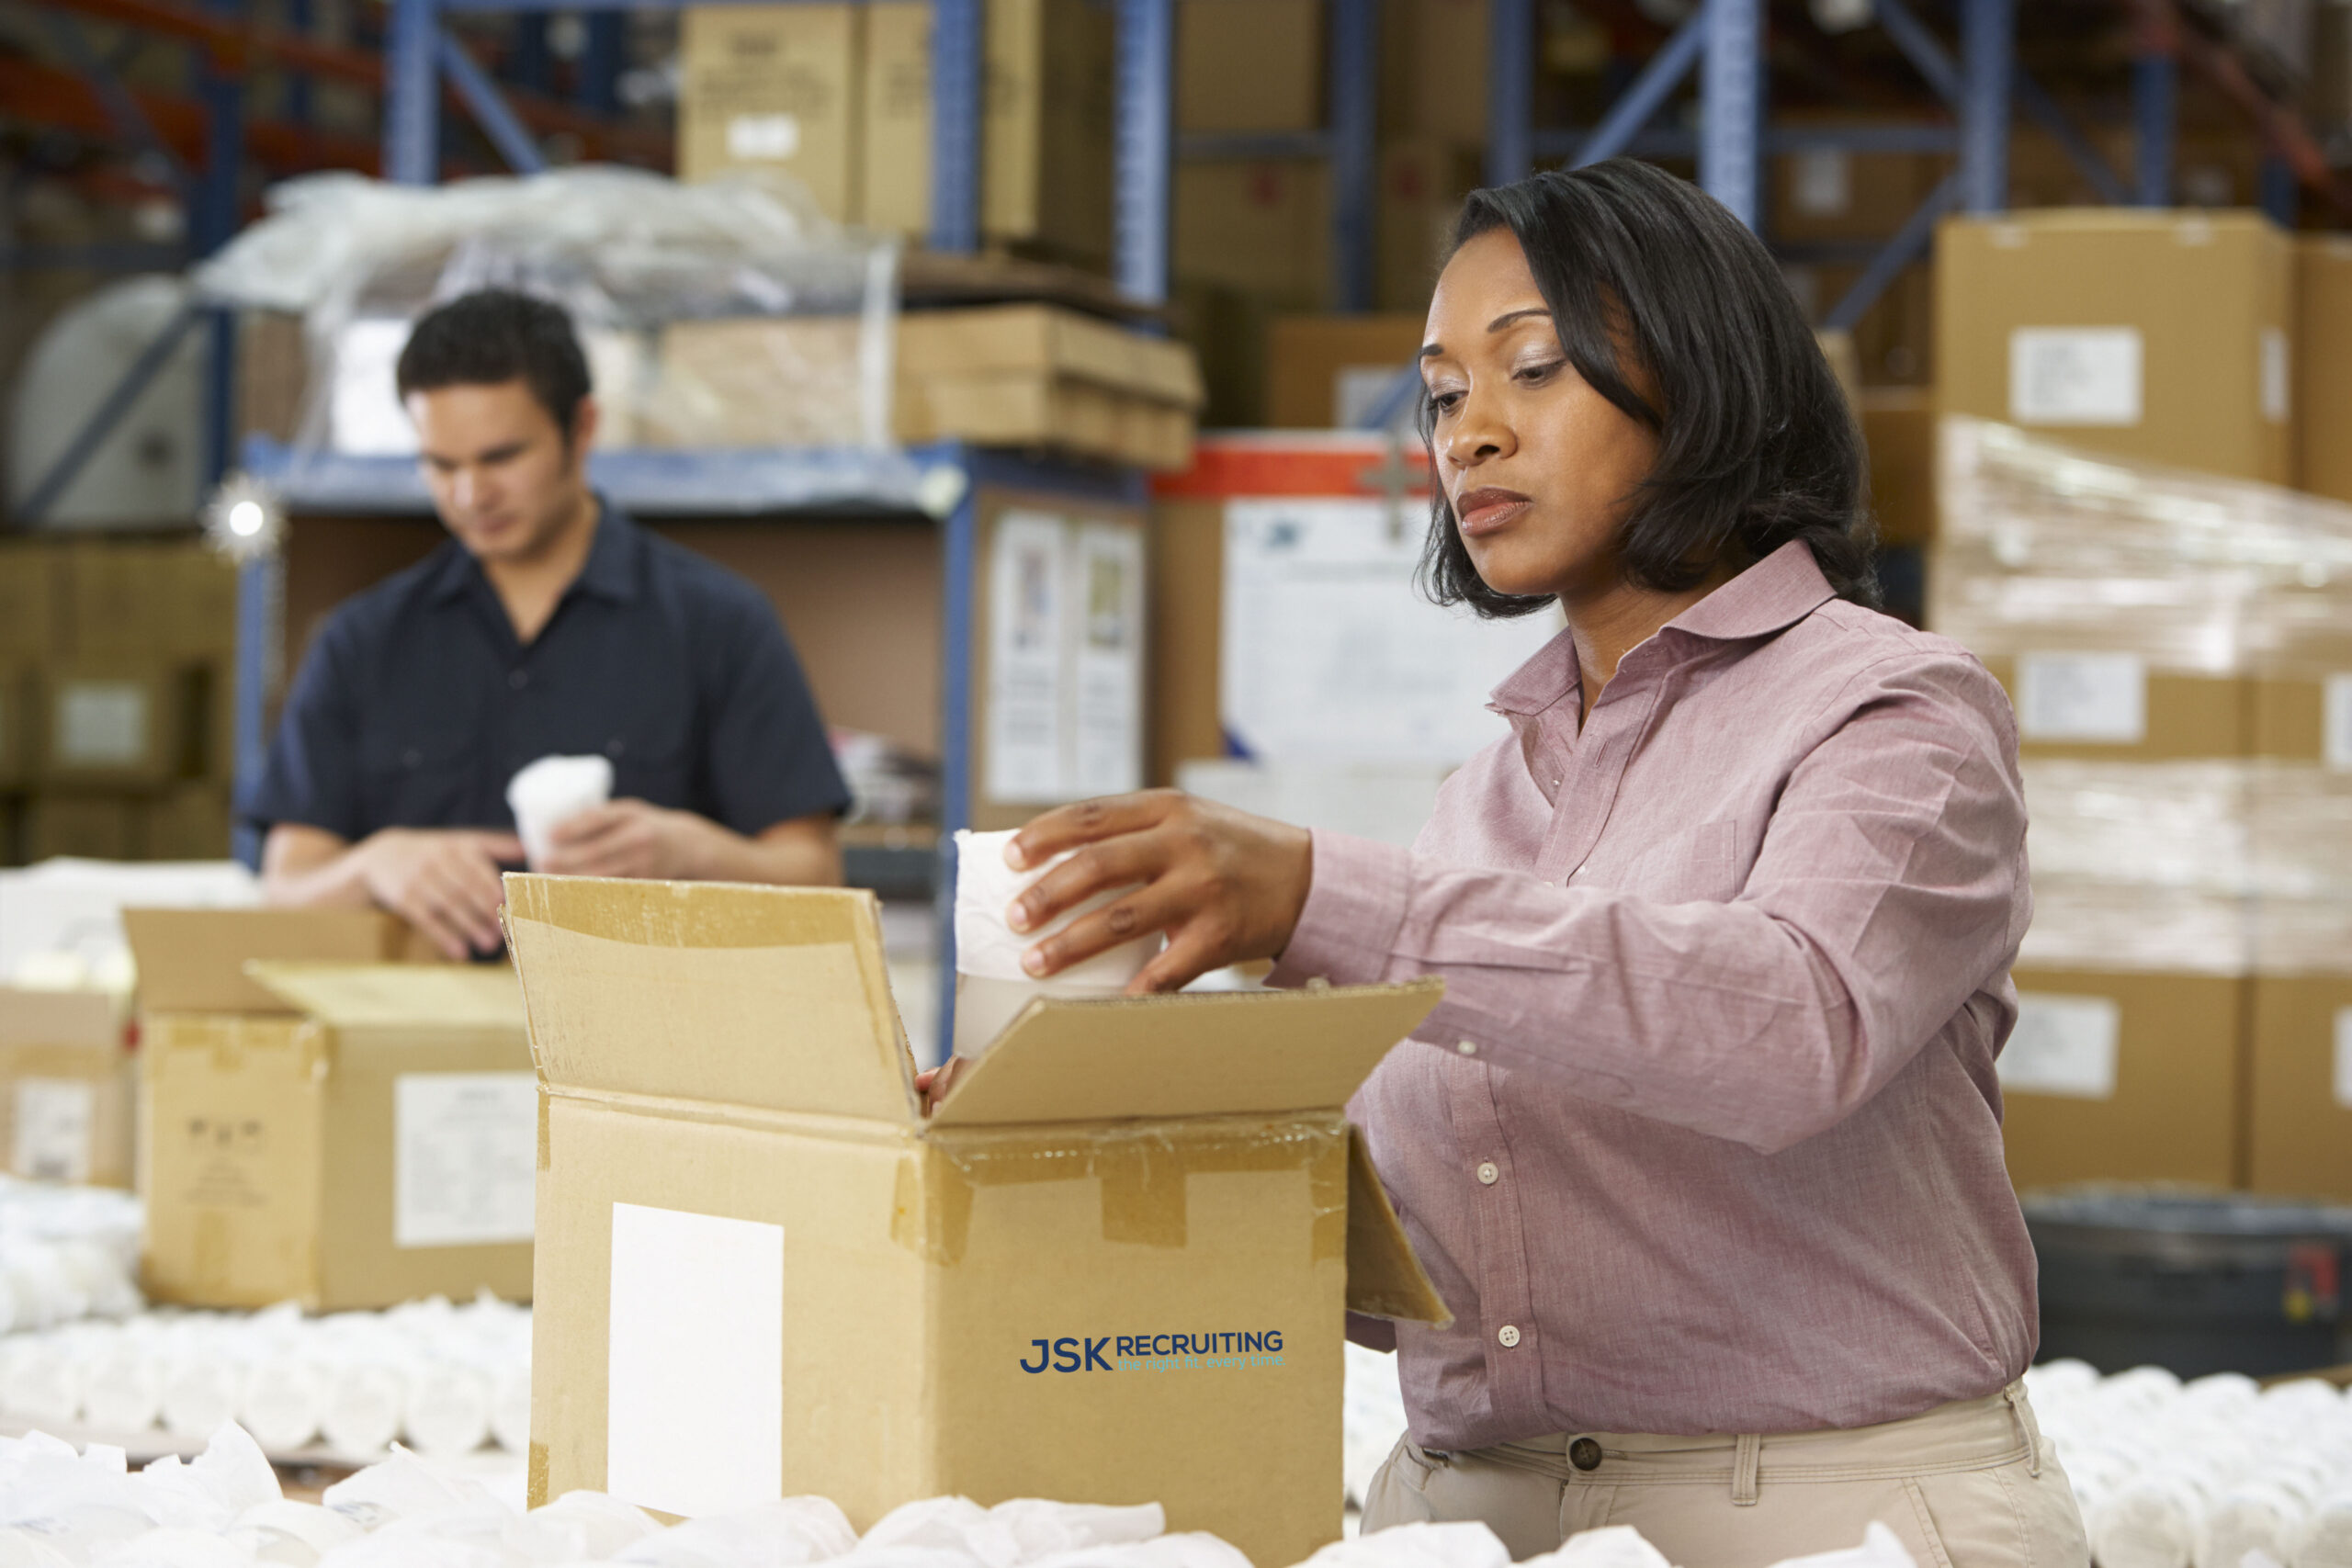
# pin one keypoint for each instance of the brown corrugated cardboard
(1319, 369)
(1045, 152)
(2161, 336)
(93, 827)
(1127, 1236)
(66, 1087)
(1433, 68)
(1263, 225)
(1899, 427)
(2125, 1078)
(18, 695)
(190, 821)
(194, 960)
(123, 722)
(772, 88)
(1831, 193)
(31, 586)
(2301, 1097)
(1422, 182)
(2323, 364)
(2111, 706)
(369, 1145)
(1250, 65)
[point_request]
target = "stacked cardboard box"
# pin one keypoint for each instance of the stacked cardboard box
(2184, 703)
(66, 1087)
(117, 675)
(323, 1124)
(838, 97)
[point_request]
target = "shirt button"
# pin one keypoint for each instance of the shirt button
(1508, 1335)
(1585, 1454)
(518, 679)
(1468, 1047)
(1488, 1173)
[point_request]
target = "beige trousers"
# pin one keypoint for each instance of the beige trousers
(1966, 1485)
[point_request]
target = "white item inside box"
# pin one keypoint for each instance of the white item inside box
(550, 792)
(991, 989)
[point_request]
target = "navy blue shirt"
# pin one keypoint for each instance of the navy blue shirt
(416, 703)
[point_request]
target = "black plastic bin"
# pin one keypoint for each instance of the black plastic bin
(2194, 1281)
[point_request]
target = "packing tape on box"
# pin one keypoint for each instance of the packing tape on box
(1144, 1171)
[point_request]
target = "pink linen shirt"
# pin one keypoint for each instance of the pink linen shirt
(1705, 1135)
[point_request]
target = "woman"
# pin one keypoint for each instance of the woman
(1702, 1146)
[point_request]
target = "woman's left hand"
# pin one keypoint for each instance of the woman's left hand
(1225, 886)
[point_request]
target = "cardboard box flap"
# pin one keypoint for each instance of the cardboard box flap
(772, 997)
(1385, 1278)
(396, 995)
(194, 960)
(1203, 1054)
(30, 1017)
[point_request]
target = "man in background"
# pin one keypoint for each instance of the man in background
(548, 623)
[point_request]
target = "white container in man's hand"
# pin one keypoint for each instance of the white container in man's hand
(990, 985)
(552, 791)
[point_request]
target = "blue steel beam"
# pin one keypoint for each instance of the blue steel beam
(1926, 55)
(1143, 141)
(1909, 244)
(1731, 89)
(412, 94)
(530, 64)
(2280, 191)
(597, 86)
(2087, 160)
(109, 412)
(299, 21)
(482, 98)
(1987, 45)
(2155, 93)
(956, 62)
(1355, 96)
(122, 110)
(1510, 90)
(1921, 48)
(1646, 93)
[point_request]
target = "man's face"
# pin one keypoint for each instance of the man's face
(503, 477)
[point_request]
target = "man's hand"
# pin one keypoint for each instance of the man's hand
(444, 882)
(933, 1083)
(633, 837)
(1225, 886)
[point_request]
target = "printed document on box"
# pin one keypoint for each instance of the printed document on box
(2336, 699)
(54, 1124)
(2084, 376)
(1106, 592)
(1329, 652)
(2063, 1046)
(1026, 608)
(465, 1157)
(2344, 1057)
(2083, 697)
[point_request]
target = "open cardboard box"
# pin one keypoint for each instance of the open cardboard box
(1112, 1268)
(67, 1078)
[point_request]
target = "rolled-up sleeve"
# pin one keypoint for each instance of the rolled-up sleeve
(1884, 892)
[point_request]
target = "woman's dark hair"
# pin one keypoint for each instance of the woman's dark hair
(1757, 446)
(495, 335)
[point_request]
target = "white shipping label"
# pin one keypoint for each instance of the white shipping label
(2074, 375)
(2336, 698)
(1028, 608)
(465, 1157)
(2344, 1057)
(54, 1121)
(694, 1403)
(2083, 697)
(2064, 1045)
(2275, 380)
(102, 724)
(1822, 182)
(773, 137)
(1106, 598)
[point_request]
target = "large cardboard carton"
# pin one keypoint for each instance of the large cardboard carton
(88, 827)
(17, 699)
(772, 88)
(128, 721)
(1258, 224)
(1422, 182)
(1250, 65)
(1111, 1269)
(31, 585)
(2125, 1077)
(1433, 67)
(1899, 428)
(66, 1087)
(367, 1142)
(2111, 704)
(2159, 335)
(2323, 364)
(1045, 128)
(1324, 372)
(2300, 1097)
(194, 960)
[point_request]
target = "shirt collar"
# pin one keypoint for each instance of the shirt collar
(1772, 596)
(609, 573)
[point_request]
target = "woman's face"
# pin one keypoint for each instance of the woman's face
(1540, 467)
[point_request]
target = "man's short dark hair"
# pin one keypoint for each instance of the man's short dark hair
(1757, 445)
(493, 336)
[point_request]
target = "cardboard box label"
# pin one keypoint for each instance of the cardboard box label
(2064, 1045)
(102, 724)
(752, 137)
(1822, 183)
(2335, 701)
(2344, 1057)
(2074, 375)
(54, 1121)
(465, 1157)
(2275, 365)
(2083, 697)
(694, 1364)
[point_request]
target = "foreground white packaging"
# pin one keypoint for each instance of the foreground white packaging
(990, 985)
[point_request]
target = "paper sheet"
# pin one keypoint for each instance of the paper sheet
(2336, 704)
(2083, 697)
(694, 1416)
(1106, 737)
(1331, 654)
(53, 1126)
(2063, 1046)
(2085, 375)
(2344, 1057)
(465, 1157)
(1027, 633)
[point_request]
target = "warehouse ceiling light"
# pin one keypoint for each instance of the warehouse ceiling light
(244, 520)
